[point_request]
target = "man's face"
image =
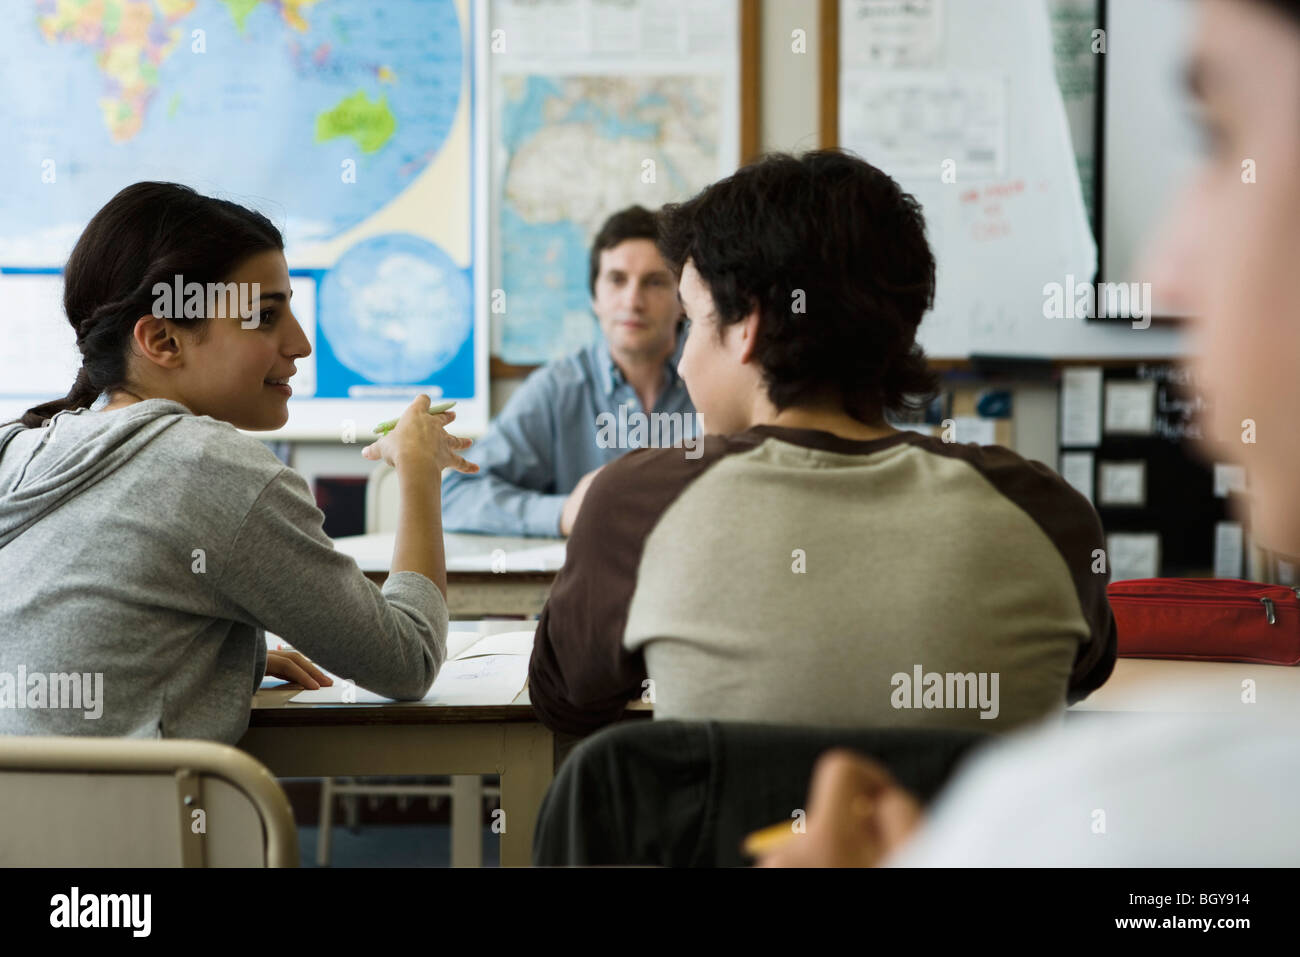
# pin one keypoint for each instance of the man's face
(636, 301)
(1230, 250)
(720, 382)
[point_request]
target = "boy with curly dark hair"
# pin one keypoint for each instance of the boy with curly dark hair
(814, 565)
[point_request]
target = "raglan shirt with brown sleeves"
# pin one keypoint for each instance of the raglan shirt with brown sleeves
(791, 575)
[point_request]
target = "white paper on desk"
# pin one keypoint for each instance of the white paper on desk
(1081, 406)
(458, 641)
(973, 428)
(542, 558)
(479, 669)
(341, 691)
(503, 643)
(479, 680)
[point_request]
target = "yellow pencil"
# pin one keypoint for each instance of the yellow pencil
(768, 839)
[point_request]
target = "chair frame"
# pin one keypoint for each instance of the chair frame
(188, 761)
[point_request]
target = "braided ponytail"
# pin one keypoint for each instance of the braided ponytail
(81, 396)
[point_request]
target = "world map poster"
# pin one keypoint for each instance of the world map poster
(350, 124)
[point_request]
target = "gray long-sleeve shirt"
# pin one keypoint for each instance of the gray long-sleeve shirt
(150, 547)
(549, 436)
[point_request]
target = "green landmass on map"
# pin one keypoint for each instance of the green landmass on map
(112, 19)
(371, 125)
(240, 9)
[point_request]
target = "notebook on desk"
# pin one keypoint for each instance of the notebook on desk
(479, 670)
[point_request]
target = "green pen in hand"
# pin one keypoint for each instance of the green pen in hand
(383, 428)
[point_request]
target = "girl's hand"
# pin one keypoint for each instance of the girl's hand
(293, 666)
(421, 440)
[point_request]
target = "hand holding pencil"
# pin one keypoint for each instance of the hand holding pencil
(383, 428)
(418, 439)
(858, 815)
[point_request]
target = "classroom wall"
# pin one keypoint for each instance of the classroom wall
(789, 97)
(788, 121)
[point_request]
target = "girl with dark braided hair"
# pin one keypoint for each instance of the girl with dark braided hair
(147, 543)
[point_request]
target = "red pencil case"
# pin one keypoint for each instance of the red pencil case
(1207, 619)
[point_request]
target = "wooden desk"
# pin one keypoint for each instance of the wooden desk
(399, 738)
(1184, 687)
(486, 574)
(417, 738)
(505, 737)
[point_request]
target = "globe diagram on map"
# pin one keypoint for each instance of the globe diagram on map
(396, 309)
(262, 101)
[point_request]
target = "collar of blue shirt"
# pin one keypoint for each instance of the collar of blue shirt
(611, 376)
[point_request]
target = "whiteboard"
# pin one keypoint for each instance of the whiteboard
(959, 102)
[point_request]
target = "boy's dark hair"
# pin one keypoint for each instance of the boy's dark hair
(635, 222)
(1289, 8)
(832, 234)
(146, 234)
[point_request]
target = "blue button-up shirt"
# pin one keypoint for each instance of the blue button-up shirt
(569, 417)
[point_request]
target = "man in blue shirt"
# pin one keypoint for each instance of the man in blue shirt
(575, 414)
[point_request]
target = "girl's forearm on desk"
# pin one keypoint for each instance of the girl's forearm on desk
(419, 546)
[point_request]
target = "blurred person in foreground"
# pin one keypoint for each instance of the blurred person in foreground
(1179, 790)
